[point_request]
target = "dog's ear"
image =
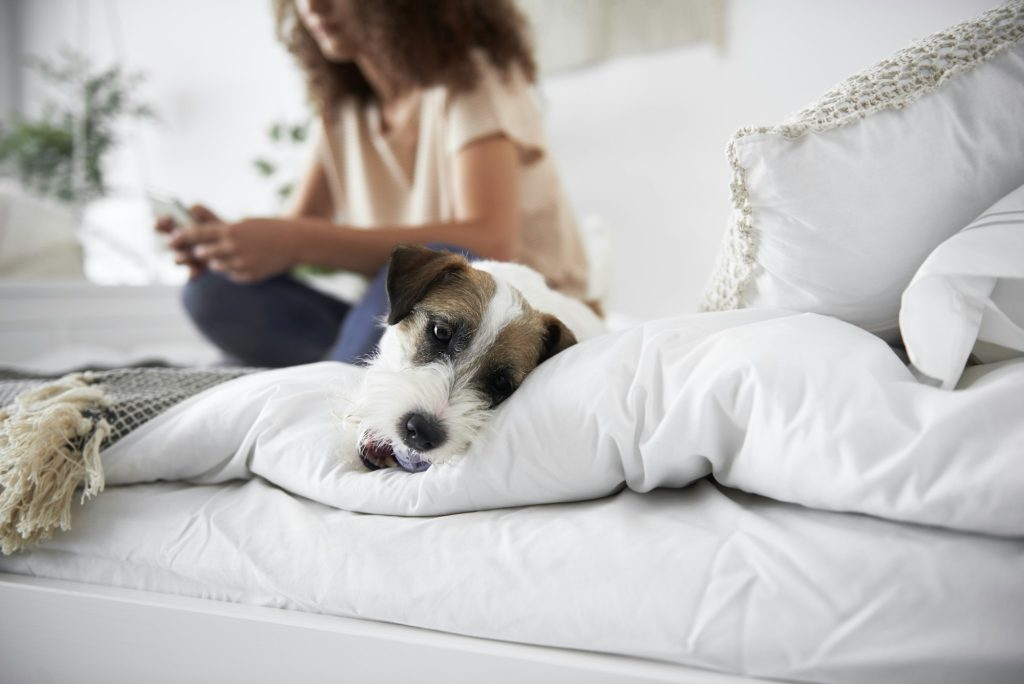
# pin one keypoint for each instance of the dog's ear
(557, 337)
(412, 272)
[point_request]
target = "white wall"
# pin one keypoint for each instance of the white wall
(640, 141)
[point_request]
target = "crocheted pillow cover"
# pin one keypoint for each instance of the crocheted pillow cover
(836, 208)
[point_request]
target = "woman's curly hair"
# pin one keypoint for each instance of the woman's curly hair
(416, 43)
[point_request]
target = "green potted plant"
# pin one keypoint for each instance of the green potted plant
(56, 160)
(60, 154)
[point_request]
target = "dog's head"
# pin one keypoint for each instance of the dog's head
(458, 343)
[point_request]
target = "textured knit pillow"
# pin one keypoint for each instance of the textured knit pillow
(835, 209)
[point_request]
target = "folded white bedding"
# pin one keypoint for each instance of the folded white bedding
(704, 576)
(968, 296)
(798, 407)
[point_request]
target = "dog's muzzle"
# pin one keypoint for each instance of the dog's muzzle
(419, 432)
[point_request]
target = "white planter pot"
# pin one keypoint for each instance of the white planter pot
(38, 237)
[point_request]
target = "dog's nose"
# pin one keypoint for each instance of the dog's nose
(421, 432)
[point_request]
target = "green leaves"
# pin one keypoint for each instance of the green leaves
(264, 167)
(281, 130)
(39, 154)
(284, 136)
(61, 154)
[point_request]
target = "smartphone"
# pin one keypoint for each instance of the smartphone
(169, 206)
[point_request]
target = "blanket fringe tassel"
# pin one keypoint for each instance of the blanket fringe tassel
(50, 442)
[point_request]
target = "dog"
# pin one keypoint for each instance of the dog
(460, 338)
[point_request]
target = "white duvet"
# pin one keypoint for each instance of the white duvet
(797, 407)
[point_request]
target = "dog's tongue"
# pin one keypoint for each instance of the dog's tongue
(410, 460)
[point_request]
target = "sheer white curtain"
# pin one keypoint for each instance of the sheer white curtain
(9, 58)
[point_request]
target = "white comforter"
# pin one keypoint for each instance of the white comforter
(797, 407)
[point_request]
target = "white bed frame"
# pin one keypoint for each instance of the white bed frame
(44, 316)
(57, 631)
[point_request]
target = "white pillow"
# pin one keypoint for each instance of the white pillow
(969, 296)
(836, 208)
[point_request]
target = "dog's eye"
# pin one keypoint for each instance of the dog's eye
(500, 387)
(501, 384)
(442, 332)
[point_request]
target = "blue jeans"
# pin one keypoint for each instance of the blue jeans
(283, 322)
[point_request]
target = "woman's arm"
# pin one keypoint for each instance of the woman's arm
(486, 222)
(312, 196)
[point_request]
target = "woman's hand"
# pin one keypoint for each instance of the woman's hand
(179, 245)
(246, 252)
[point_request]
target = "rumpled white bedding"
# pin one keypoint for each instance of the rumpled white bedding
(797, 407)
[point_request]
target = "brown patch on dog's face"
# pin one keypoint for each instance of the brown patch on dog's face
(516, 351)
(448, 316)
(442, 326)
(413, 271)
(440, 304)
(523, 344)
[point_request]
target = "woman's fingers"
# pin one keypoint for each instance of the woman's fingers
(194, 243)
(197, 234)
(184, 257)
(164, 224)
(222, 249)
(234, 269)
(203, 215)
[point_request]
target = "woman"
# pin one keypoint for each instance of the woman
(429, 135)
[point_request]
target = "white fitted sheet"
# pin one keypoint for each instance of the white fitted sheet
(701, 576)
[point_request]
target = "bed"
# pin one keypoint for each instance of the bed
(817, 479)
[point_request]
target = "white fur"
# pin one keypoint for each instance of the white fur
(505, 305)
(389, 393)
(576, 315)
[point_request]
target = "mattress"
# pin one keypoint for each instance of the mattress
(703, 576)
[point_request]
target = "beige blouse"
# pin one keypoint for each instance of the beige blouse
(374, 183)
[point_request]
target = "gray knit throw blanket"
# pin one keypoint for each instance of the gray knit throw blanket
(52, 432)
